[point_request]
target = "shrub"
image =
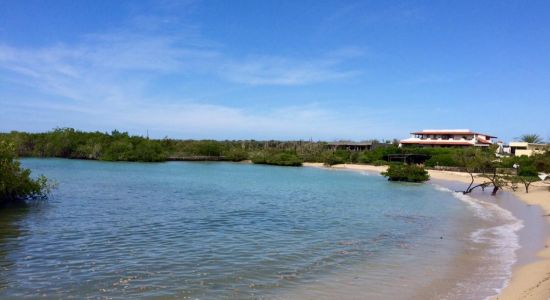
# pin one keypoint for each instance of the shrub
(523, 161)
(542, 162)
(441, 160)
(339, 157)
(236, 155)
(276, 158)
(258, 157)
(378, 154)
(119, 150)
(330, 159)
(528, 171)
(354, 157)
(16, 185)
(147, 151)
(532, 164)
(409, 173)
(285, 159)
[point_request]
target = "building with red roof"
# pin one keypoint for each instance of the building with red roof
(447, 138)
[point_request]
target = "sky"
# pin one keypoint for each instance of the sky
(320, 70)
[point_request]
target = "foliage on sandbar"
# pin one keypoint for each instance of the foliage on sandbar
(16, 183)
(408, 173)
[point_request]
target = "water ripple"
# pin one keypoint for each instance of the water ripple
(189, 230)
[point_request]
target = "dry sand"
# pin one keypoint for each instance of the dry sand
(531, 281)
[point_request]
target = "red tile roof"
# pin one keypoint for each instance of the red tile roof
(438, 143)
(452, 132)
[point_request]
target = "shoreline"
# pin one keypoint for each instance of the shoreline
(528, 281)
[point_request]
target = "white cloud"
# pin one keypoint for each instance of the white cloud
(104, 82)
(270, 70)
(198, 120)
(117, 57)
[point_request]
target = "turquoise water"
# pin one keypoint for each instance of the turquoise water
(220, 230)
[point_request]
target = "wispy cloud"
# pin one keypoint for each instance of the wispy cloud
(152, 54)
(201, 120)
(271, 70)
(107, 78)
(104, 80)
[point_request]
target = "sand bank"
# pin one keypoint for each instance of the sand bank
(530, 281)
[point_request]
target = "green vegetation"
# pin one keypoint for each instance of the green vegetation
(528, 169)
(69, 143)
(120, 146)
(528, 164)
(408, 173)
(525, 180)
(378, 154)
(16, 185)
(289, 159)
(499, 172)
(339, 157)
(438, 156)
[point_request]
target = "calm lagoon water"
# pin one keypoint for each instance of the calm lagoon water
(227, 230)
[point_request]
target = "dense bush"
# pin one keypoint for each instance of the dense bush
(148, 151)
(438, 156)
(441, 160)
(541, 162)
(409, 173)
(120, 146)
(276, 158)
(285, 159)
(338, 157)
(236, 155)
(16, 185)
(527, 171)
(330, 160)
(378, 154)
(536, 163)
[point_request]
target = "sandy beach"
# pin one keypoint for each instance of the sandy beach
(529, 281)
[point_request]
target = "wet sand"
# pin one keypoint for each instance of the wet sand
(532, 280)
(531, 273)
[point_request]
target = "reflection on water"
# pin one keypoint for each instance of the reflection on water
(211, 230)
(10, 232)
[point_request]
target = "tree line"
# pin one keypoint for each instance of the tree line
(120, 146)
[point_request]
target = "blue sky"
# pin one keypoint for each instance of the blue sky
(276, 69)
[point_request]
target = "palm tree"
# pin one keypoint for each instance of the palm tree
(531, 138)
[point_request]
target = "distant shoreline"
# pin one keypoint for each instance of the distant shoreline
(530, 281)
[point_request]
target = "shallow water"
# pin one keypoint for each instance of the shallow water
(226, 230)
